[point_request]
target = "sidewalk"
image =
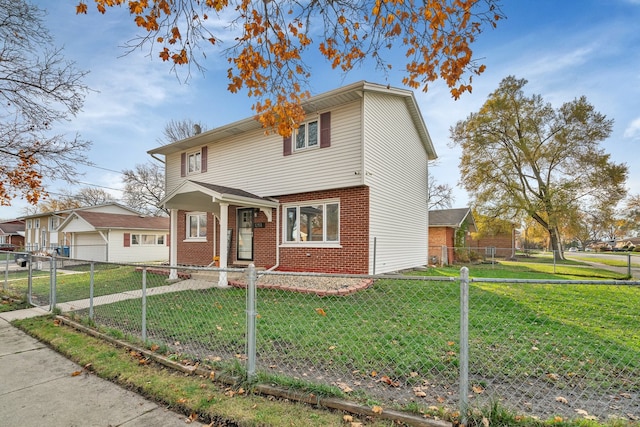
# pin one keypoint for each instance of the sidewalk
(37, 389)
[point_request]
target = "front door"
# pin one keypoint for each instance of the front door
(245, 235)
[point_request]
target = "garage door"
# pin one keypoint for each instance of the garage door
(89, 246)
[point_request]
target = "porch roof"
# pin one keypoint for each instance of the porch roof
(205, 197)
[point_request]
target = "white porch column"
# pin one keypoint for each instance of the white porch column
(224, 225)
(173, 245)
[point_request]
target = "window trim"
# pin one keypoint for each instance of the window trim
(314, 243)
(138, 236)
(305, 126)
(187, 227)
(197, 155)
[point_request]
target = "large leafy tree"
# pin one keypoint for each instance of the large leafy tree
(520, 156)
(268, 41)
(38, 89)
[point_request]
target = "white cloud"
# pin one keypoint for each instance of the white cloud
(632, 131)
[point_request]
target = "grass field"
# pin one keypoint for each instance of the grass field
(401, 334)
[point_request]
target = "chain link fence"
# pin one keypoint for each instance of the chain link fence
(538, 348)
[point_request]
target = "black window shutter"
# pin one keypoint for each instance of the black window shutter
(203, 158)
(286, 145)
(183, 164)
(325, 129)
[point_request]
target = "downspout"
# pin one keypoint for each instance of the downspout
(277, 239)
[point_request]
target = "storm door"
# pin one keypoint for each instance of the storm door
(245, 235)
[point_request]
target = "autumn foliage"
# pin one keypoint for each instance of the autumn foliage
(270, 38)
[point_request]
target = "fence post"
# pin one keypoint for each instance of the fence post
(251, 322)
(144, 304)
(464, 345)
(6, 272)
(629, 266)
(30, 279)
(53, 273)
(91, 271)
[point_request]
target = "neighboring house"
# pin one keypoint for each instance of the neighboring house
(12, 233)
(449, 231)
(41, 229)
(346, 193)
(110, 237)
(500, 244)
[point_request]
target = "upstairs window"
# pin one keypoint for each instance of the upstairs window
(313, 133)
(306, 136)
(193, 162)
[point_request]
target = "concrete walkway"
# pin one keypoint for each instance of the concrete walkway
(37, 389)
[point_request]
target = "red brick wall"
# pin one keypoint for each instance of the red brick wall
(194, 253)
(353, 256)
(502, 242)
(439, 237)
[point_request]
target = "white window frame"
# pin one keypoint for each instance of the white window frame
(54, 222)
(304, 127)
(36, 223)
(196, 238)
(137, 239)
(29, 224)
(197, 162)
(300, 242)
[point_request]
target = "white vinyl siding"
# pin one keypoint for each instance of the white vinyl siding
(254, 162)
(89, 246)
(137, 253)
(395, 169)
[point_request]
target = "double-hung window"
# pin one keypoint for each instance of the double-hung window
(315, 222)
(306, 136)
(197, 226)
(194, 161)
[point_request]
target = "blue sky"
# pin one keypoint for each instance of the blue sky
(564, 48)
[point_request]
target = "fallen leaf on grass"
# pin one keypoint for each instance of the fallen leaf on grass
(562, 400)
(377, 409)
(182, 400)
(385, 379)
(347, 418)
(155, 347)
(418, 392)
(321, 312)
(56, 322)
(478, 389)
(344, 387)
(191, 418)
(485, 422)
(553, 377)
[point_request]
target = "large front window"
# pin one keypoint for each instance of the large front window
(197, 226)
(313, 222)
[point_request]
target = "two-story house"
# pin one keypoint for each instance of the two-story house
(346, 193)
(41, 229)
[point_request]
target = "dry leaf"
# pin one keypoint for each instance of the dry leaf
(212, 375)
(182, 400)
(321, 312)
(553, 377)
(374, 373)
(478, 389)
(155, 347)
(581, 412)
(219, 327)
(558, 419)
(485, 422)
(356, 424)
(385, 379)
(347, 418)
(76, 373)
(562, 400)
(377, 409)
(191, 418)
(56, 322)
(344, 387)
